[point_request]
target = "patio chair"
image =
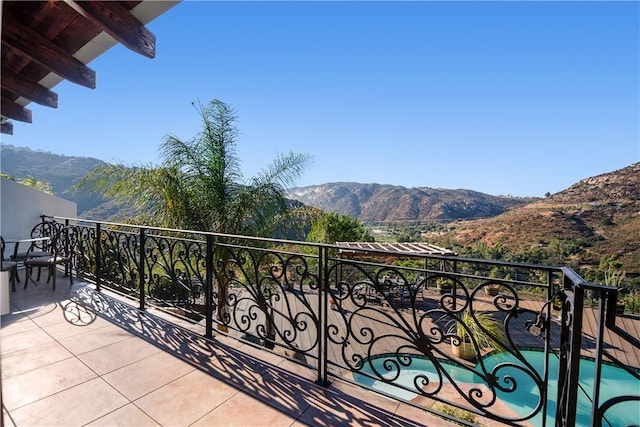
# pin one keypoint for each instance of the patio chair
(62, 246)
(36, 249)
(10, 266)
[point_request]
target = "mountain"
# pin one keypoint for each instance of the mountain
(62, 172)
(387, 203)
(368, 202)
(597, 216)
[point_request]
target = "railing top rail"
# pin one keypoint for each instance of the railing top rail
(540, 267)
(176, 230)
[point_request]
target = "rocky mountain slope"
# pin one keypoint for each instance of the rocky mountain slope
(387, 203)
(600, 214)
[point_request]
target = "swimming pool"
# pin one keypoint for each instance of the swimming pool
(523, 400)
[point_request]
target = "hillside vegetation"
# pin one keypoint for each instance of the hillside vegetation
(62, 172)
(596, 217)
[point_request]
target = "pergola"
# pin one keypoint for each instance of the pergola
(350, 249)
(46, 42)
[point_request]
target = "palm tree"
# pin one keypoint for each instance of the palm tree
(199, 185)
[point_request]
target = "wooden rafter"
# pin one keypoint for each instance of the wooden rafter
(44, 42)
(16, 83)
(119, 23)
(14, 111)
(46, 53)
(6, 128)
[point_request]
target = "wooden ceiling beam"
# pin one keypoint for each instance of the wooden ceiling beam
(41, 50)
(14, 111)
(16, 83)
(7, 128)
(119, 23)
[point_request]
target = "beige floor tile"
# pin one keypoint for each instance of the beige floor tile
(15, 324)
(35, 302)
(24, 340)
(376, 399)
(94, 339)
(118, 355)
(35, 357)
(147, 375)
(6, 419)
(185, 400)
(245, 411)
(66, 312)
(76, 406)
(297, 369)
(261, 355)
(39, 383)
(286, 392)
(338, 407)
(126, 416)
(53, 315)
(64, 329)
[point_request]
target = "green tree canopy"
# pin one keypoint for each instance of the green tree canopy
(38, 184)
(332, 228)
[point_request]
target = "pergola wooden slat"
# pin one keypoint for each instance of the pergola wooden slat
(393, 249)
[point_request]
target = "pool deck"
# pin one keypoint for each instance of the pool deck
(614, 344)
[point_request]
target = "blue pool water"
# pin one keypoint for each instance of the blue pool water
(614, 382)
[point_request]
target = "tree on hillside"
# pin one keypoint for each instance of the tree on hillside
(38, 184)
(333, 227)
(199, 186)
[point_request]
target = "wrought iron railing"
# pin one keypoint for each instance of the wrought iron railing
(429, 329)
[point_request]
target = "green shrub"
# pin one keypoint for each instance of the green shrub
(458, 413)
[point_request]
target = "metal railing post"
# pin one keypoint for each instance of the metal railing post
(569, 363)
(597, 375)
(141, 268)
(547, 350)
(98, 254)
(323, 318)
(208, 288)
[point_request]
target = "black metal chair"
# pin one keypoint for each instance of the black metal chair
(62, 248)
(10, 266)
(37, 249)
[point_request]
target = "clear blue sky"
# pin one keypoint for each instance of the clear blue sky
(518, 98)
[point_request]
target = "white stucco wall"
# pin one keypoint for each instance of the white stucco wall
(21, 207)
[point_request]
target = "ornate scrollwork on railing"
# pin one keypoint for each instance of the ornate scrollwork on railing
(120, 256)
(269, 296)
(389, 319)
(175, 271)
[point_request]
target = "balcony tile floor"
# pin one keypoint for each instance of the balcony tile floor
(63, 365)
